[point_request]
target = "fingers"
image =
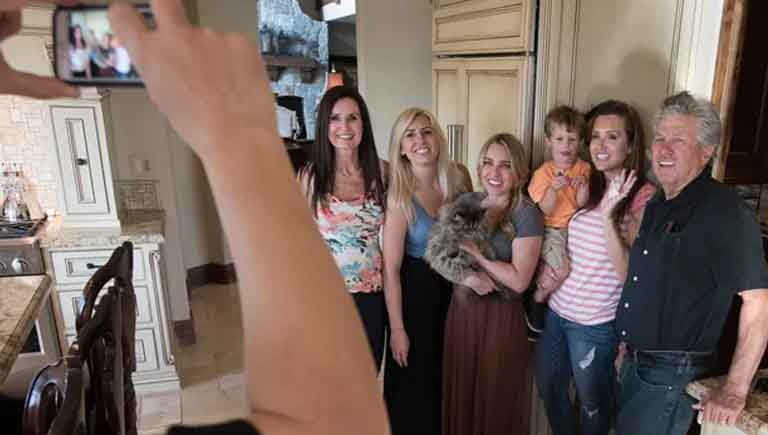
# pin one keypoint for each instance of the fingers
(11, 5)
(169, 13)
(30, 85)
(10, 23)
(401, 358)
(629, 182)
(712, 411)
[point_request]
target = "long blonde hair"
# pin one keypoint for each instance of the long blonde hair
(519, 163)
(402, 182)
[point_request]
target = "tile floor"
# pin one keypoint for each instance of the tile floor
(211, 370)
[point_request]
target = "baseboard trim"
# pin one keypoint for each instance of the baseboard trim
(211, 273)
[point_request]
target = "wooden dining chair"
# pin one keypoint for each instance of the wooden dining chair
(54, 402)
(106, 334)
(91, 389)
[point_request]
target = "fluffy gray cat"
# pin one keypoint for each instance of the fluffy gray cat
(460, 220)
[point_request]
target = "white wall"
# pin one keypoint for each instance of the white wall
(394, 55)
(140, 131)
(639, 52)
(230, 15)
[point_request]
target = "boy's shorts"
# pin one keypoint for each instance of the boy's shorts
(553, 249)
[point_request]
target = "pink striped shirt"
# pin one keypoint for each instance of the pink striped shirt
(591, 292)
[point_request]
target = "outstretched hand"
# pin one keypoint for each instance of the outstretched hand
(20, 83)
(618, 189)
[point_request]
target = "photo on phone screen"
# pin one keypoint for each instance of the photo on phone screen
(88, 53)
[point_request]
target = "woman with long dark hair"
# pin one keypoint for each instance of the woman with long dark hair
(578, 341)
(344, 184)
(79, 53)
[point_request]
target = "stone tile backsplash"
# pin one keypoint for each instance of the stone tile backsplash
(138, 194)
(26, 137)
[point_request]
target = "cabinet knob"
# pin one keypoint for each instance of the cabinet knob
(91, 266)
(81, 161)
(20, 265)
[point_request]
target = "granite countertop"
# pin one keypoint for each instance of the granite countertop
(137, 226)
(754, 419)
(20, 302)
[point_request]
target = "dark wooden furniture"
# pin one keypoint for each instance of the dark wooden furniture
(90, 390)
(53, 405)
(106, 333)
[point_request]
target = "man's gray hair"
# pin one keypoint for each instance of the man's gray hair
(706, 115)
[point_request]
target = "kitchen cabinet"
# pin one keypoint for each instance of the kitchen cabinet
(155, 362)
(474, 98)
(482, 26)
(86, 194)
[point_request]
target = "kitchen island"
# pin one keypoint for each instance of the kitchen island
(21, 299)
(752, 421)
(73, 254)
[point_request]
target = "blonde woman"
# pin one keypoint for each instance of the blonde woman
(486, 347)
(422, 178)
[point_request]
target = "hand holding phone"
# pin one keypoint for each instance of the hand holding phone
(17, 82)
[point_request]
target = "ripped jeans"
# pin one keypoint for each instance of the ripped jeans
(568, 351)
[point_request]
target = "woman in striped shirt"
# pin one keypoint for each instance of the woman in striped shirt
(579, 341)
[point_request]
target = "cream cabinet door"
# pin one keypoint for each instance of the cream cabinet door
(77, 143)
(493, 95)
(482, 26)
(87, 191)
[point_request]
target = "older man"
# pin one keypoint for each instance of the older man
(698, 246)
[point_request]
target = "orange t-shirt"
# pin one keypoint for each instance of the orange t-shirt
(565, 205)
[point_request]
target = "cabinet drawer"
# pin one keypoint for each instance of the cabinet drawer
(72, 267)
(147, 351)
(71, 303)
(482, 26)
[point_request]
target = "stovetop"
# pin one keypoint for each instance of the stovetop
(19, 230)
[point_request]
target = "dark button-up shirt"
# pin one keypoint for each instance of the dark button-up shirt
(693, 253)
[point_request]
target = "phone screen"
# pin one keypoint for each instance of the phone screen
(88, 53)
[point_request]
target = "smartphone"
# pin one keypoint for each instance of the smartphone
(87, 53)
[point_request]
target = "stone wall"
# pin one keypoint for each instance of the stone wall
(286, 16)
(26, 138)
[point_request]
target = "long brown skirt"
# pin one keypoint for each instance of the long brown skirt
(486, 390)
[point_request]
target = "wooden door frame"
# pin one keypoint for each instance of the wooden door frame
(726, 76)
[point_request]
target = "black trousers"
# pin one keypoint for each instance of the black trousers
(371, 308)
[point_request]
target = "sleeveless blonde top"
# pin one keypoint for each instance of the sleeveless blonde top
(351, 231)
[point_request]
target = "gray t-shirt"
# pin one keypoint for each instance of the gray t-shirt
(527, 221)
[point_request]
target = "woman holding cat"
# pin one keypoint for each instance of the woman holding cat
(422, 179)
(485, 386)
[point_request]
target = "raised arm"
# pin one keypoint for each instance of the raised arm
(307, 363)
(616, 244)
(395, 228)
